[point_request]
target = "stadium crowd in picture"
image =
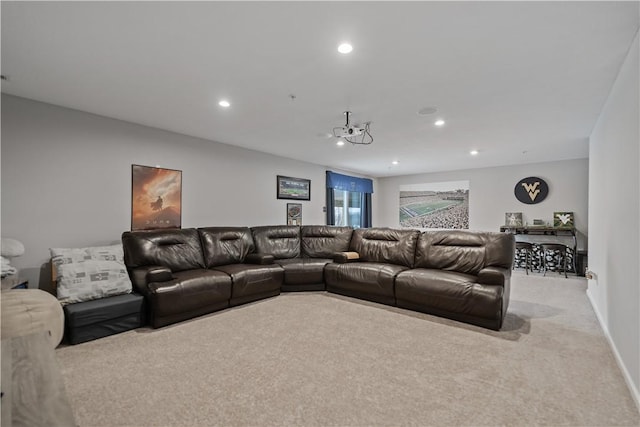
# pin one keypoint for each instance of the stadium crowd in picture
(434, 209)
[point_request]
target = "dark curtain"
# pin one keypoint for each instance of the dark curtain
(365, 211)
(331, 217)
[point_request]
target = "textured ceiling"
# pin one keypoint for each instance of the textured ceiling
(521, 82)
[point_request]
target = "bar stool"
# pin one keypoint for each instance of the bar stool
(558, 252)
(527, 249)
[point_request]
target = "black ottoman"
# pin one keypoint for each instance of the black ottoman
(89, 320)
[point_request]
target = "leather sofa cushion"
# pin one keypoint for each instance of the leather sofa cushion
(385, 245)
(188, 291)
(449, 291)
(176, 249)
(250, 279)
(281, 241)
(320, 241)
(225, 245)
(368, 278)
(302, 271)
(464, 251)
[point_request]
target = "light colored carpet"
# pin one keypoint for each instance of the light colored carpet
(316, 359)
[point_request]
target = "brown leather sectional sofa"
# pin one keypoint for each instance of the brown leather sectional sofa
(462, 275)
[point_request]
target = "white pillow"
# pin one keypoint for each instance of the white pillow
(85, 274)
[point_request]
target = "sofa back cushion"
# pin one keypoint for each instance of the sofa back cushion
(225, 245)
(281, 241)
(322, 241)
(176, 249)
(385, 245)
(464, 251)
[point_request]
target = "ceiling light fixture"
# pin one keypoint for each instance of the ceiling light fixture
(395, 162)
(354, 134)
(473, 152)
(439, 122)
(340, 143)
(224, 103)
(345, 48)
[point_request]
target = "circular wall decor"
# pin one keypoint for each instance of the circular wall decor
(531, 190)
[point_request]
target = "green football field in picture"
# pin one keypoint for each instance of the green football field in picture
(420, 209)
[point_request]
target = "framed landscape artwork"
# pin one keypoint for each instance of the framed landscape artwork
(156, 198)
(293, 188)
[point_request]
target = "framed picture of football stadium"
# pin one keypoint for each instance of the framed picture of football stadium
(435, 205)
(293, 188)
(156, 198)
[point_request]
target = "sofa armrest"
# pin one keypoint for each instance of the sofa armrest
(142, 276)
(159, 274)
(344, 257)
(260, 259)
(494, 276)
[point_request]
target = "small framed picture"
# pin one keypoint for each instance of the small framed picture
(293, 188)
(563, 219)
(294, 213)
(513, 219)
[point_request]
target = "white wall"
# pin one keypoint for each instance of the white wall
(66, 180)
(491, 194)
(614, 215)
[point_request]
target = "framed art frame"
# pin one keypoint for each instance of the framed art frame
(294, 213)
(513, 219)
(293, 188)
(156, 198)
(563, 220)
(434, 205)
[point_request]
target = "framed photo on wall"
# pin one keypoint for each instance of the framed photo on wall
(435, 205)
(156, 198)
(563, 219)
(294, 213)
(293, 188)
(513, 219)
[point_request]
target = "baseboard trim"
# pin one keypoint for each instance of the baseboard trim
(635, 394)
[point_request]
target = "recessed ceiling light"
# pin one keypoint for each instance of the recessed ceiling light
(224, 103)
(340, 143)
(473, 152)
(345, 48)
(395, 162)
(439, 122)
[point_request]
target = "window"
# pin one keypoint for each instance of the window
(348, 200)
(347, 208)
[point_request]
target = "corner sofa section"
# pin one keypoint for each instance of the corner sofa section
(303, 252)
(461, 275)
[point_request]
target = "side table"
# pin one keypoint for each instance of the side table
(33, 391)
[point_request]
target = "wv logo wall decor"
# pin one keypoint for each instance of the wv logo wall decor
(531, 190)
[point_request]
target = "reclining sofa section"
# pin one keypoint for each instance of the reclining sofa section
(461, 275)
